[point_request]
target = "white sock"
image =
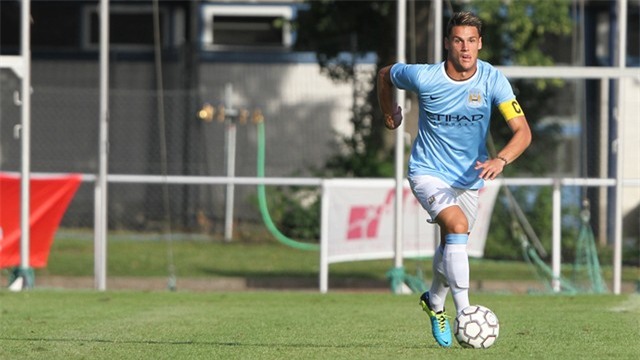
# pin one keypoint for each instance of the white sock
(439, 287)
(456, 265)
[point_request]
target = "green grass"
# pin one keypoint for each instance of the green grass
(46, 324)
(74, 256)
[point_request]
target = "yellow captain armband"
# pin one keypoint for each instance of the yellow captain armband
(510, 109)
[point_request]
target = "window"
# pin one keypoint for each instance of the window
(250, 27)
(132, 27)
(55, 25)
(246, 31)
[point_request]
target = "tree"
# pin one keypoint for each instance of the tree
(513, 34)
(332, 28)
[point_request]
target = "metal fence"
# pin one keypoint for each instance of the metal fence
(300, 116)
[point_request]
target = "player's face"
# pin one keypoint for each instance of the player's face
(462, 46)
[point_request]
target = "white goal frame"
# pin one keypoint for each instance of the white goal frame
(103, 178)
(556, 183)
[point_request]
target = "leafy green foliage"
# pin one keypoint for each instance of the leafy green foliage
(513, 33)
(332, 27)
(297, 212)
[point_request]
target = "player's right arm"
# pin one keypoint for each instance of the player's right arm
(391, 111)
(520, 140)
(521, 137)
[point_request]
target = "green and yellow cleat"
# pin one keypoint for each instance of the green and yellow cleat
(439, 322)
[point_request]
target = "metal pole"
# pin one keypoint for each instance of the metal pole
(437, 57)
(618, 148)
(399, 150)
(603, 161)
(25, 141)
(100, 187)
(324, 238)
(556, 235)
(437, 31)
(231, 161)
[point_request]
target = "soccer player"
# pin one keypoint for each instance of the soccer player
(449, 161)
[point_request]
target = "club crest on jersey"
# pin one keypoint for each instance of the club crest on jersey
(475, 98)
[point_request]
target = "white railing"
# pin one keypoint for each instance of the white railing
(556, 183)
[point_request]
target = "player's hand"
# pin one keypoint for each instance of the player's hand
(490, 169)
(392, 121)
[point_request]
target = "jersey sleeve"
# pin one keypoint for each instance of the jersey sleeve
(404, 76)
(505, 99)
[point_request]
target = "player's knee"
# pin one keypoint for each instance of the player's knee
(459, 228)
(452, 222)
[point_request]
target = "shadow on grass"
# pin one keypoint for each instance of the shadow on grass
(300, 280)
(284, 274)
(205, 343)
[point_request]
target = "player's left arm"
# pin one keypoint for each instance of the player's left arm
(520, 140)
(385, 89)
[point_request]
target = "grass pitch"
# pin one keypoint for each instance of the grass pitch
(205, 259)
(57, 324)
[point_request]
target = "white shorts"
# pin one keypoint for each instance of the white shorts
(435, 195)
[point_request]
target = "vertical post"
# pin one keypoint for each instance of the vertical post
(399, 150)
(618, 147)
(437, 31)
(25, 49)
(603, 161)
(324, 238)
(231, 161)
(556, 235)
(437, 57)
(100, 186)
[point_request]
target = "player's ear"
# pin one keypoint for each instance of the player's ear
(480, 43)
(446, 43)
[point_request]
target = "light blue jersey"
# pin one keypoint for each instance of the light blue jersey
(453, 121)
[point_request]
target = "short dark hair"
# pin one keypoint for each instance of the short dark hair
(464, 18)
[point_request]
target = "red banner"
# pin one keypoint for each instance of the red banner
(50, 197)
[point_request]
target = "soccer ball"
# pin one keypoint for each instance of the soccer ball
(476, 327)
